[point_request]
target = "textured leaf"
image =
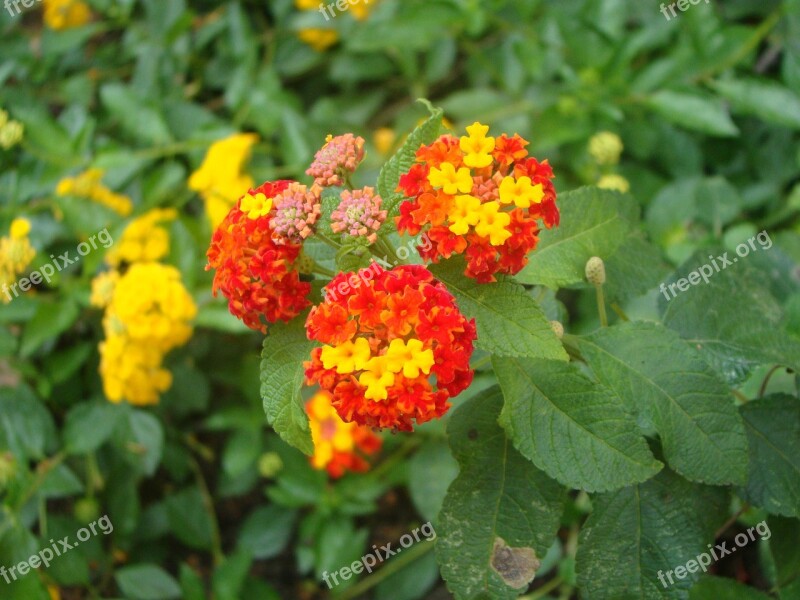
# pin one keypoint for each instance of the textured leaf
(733, 320)
(635, 268)
(509, 320)
(672, 390)
(497, 494)
(574, 429)
(773, 430)
(637, 532)
(693, 112)
(594, 222)
(404, 158)
(285, 348)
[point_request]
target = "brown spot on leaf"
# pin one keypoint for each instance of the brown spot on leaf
(472, 434)
(516, 566)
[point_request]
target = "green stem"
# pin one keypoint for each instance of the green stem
(601, 306)
(398, 563)
(765, 383)
(620, 313)
(208, 505)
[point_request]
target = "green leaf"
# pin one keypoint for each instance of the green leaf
(733, 320)
(575, 430)
(285, 348)
(430, 472)
(672, 390)
(135, 115)
(404, 158)
(766, 100)
(773, 430)
(499, 507)
(636, 267)
(412, 582)
(26, 426)
(594, 222)
(148, 435)
(714, 588)
(147, 582)
(509, 321)
(637, 532)
(267, 530)
(693, 112)
(189, 519)
(50, 320)
(229, 577)
(90, 424)
(785, 552)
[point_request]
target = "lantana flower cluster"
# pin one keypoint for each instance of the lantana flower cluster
(394, 351)
(339, 447)
(479, 196)
(16, 253)
(89, 185)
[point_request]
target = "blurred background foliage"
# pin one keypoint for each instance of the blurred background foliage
(204, 498)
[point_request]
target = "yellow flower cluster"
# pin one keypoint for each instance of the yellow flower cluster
(379, 371)
(88, 185)
(143, 239)
(606, 148)
(219, 179)
(11, 131)
(320, 39)
(66, 14)
(16, 253)
(147, 316)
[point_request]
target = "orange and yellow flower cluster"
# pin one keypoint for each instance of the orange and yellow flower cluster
(479, 196)
(255, 269)
(339, 447)
(384, 342)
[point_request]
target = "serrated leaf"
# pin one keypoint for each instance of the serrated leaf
(572, 428)
(641, 530)
(693, 112)
(594, 222)
(404, 158)
(773, 430)
(509, 320)
(733, 319)
(285, 348)
(497, 495)
(636, 267)
(669, 386)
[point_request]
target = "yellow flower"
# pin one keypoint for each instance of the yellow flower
(377, 378)
(220, 180)
(103, 288)
(477, 147)
(88, 185)
(306, 4)
(605, 148)
(346, 357)
(449, 180)
(319, 39)
(16, 253)
(465, 212)
(255, 206)
(362, 8)
(143, 239)
(521, 192)
(65, 14)
(148, 315)
(614, 182)
(384, 139)
(492, 224)
(409, 357)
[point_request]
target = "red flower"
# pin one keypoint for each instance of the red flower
(256, 275)
(404, 331)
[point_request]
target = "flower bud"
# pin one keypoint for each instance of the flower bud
(558, 329)
(269, 465)
(596, 271)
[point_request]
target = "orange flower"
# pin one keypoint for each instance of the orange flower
(402, 328)
(479, 196)
(338, 446)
